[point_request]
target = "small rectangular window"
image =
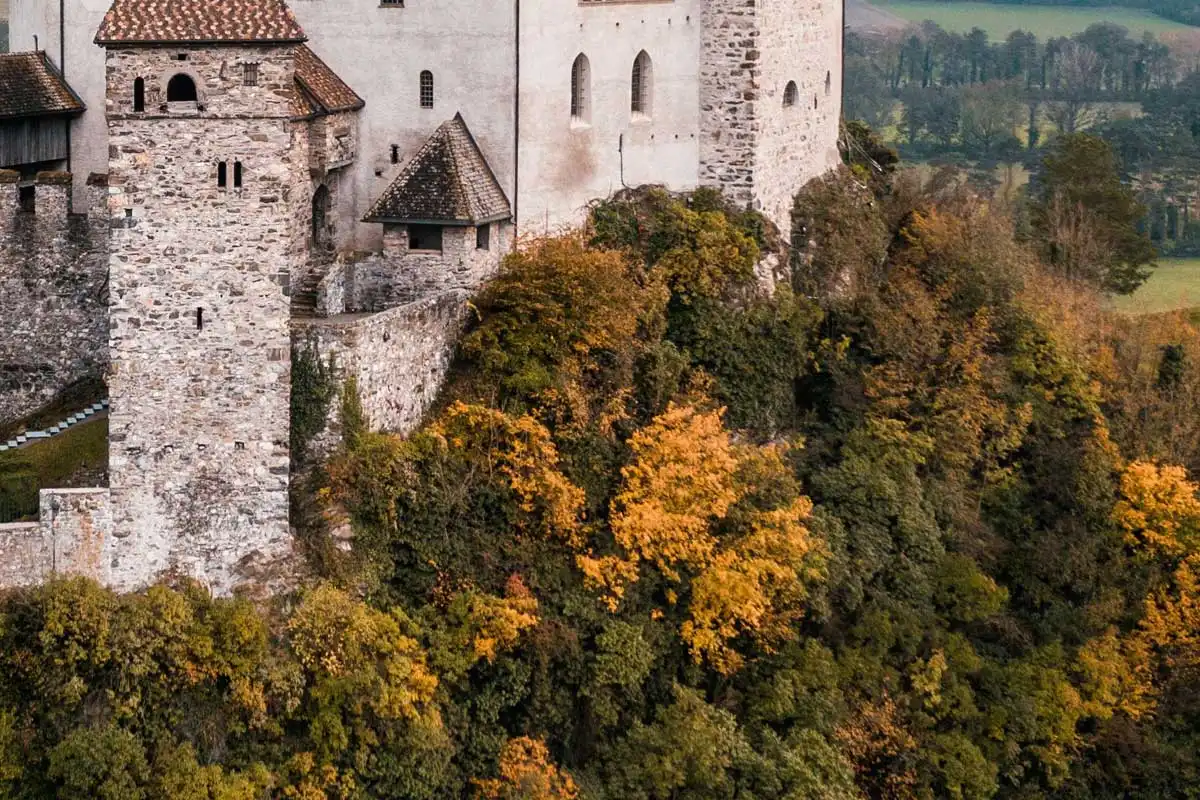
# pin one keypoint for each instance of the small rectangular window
(483, 237)
(425, 237)
(199, 319)
(250, 74)
(395, 154)
(27, 199)
(237, 174)
(222, 174)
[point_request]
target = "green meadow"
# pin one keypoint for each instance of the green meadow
(1001, 19)
(1175, 284)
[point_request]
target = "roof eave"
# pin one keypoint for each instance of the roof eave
(446, 223)
(195, 42)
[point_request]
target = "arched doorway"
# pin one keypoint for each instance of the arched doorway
(320, 219)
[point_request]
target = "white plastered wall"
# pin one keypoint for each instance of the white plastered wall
(563, 164)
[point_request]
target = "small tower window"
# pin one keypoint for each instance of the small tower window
(199, 319)
(426, 89)
(139, 95)
(828, 83)
(581, 90)
(395, 154)
(483, 237)
(250, 74)
(181, 89)
(237, 174)
(222, 174)
(425, 237)
(641, 85)
(791, 95)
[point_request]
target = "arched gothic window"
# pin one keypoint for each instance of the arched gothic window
(791, 95)
(426, 89)
(181, 89)
(581, 89)
(642, 85)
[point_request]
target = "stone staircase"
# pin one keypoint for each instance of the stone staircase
(304, 296)
(28, 437)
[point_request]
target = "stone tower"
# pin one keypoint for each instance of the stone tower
(209, 195)
(770, 98)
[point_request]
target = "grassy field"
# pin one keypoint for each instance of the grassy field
(75, 458)
(1174, 285)
(999, 20)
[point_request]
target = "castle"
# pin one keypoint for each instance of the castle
(337, 176)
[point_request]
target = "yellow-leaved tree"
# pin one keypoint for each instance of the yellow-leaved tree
(527, 773)
(697, 509)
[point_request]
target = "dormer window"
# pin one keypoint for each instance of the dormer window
(181, 89)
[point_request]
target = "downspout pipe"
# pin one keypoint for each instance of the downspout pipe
(62, 65)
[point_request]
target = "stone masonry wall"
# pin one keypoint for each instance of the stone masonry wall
(400, 275)
(729, 95)
(399, 358)
(54, 292)
(200, 339)
(759, 151)
(800, 41)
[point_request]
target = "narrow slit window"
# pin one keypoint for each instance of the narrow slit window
(395, 154)
(426, 89)
(222, 174)
(139, 95)
(199, 319)
(237, 174)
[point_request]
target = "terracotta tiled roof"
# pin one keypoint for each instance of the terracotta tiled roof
(319, 90)
(199, 21)
(447, 181)
(30, 86)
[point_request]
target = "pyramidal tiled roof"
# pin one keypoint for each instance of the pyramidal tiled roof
(199, 22)
(319, 90)
(448, 181)
(30, 86)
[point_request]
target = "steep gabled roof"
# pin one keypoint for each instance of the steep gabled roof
(319, 90)
(199, 22)
(30, 86)
(448, 181)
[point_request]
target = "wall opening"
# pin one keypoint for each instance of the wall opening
(395, 154)
(791, 94)
(828, 83)
(426, 89)
(181, 89)
(642, 85)
(250, 74)
(237, 174)
(581, 90)
(483, 237)
(199, 319)
(139, 95)
(320, 217)
(222, 174)
(425, 237)
(27, 199)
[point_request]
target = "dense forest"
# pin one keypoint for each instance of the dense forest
(1186, 11)
(918, 524)
(962, 99)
